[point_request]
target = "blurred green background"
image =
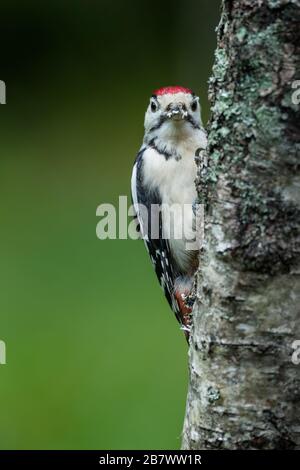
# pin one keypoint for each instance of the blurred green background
(95, 358)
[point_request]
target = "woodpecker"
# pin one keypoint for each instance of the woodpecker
(163, 178)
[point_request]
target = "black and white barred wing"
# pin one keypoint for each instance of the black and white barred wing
(147, 204)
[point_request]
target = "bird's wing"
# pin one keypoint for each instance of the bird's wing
(157, 247)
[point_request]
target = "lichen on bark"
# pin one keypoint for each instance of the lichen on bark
(244, 390)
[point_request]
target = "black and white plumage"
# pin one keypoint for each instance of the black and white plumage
(163, 190)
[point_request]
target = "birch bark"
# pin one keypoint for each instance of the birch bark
(244, 390)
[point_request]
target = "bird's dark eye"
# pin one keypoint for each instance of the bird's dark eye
(153, 106)
(194, 105)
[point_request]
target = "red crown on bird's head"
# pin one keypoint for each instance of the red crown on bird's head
(172, 90)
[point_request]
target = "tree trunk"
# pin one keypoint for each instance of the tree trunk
(244, 390)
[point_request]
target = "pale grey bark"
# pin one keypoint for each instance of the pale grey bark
(244, 390)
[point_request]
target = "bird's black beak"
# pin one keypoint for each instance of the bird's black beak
(176, 111)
